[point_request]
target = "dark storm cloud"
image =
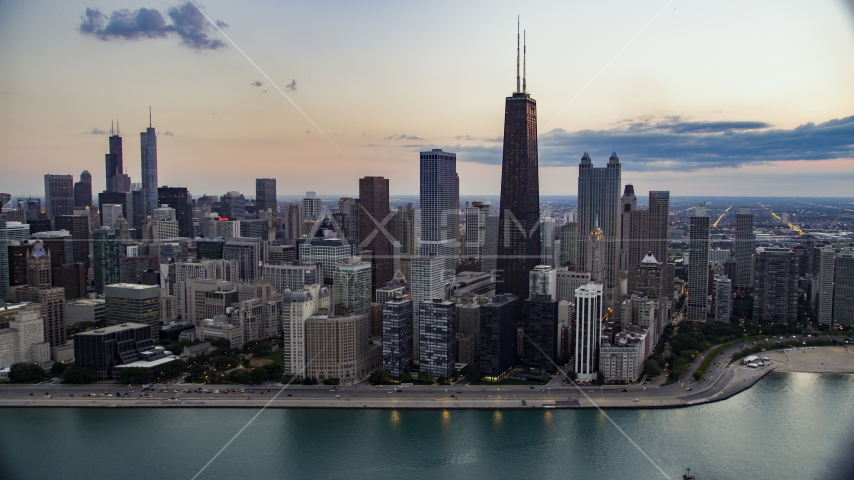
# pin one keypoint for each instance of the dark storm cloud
(188, 24)
(674, 144)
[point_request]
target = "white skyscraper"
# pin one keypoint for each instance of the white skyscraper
(439, 214)
(824, 287)
(426, 284)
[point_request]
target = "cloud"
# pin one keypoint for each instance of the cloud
(469, 138)
(403, 137)
(188, 24)
(291, 87)
(674, 144)
(95, 131)
(168, 133)
(256, 83)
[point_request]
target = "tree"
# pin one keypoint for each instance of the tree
(426, 378)
(473, 372)
(572, 375)
(274, 371)
(261, 349)
(309, 381)
(332, 381)
(133, 375)
(258, 375)
(406, 376)
(57, 368)
(651, 368)
(600, 378)
(26, 373)
(79, 375)
(170, 369)
(378, 377)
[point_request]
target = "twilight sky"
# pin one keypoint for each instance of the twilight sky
(699, 98)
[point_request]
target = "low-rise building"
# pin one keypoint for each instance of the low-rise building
(338, 348)
(103, 349)
(621, 357)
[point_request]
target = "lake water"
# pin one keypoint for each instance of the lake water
(797, 426)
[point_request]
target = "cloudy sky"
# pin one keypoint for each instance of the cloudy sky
(699, 98)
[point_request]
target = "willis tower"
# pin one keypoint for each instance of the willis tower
(519, 236)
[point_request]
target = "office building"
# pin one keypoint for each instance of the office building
(292, 276)
(102, 349)
(436, 337)
(126, 302)
(110, 213)
(843, 289)
(404, 228)
(519, 247)
(373, 202)
(83, 190)
(58, 195)
(92, 310)
(475, 236)
(642, 232)
(117, 180)
(22, 341)
(393, 289)
(823, 286)
(51, 302)
(586, 328)
(468, 332)
(745, 247)
(568, 233)
(210, 248)
(72, 278)
(467, 284)
(337, 348)
(599, 206)
(698, 265)
(567, 282)
(148, 166)
(775, 294)
(499, 319)
(221, 327)
(397, 336)
(38, 266)
(165, 224)
(312, 209)
(490, 245)
(351, 287)
(439, 214)
(265, 196)
(292, 225)
(178, 199)
(232, 206)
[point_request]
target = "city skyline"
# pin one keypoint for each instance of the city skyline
(677, 119)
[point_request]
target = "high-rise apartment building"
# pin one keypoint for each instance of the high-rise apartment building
(473, 245)
(745, 247)
(292, 225)
(698, 265)
(404, 228)
(541, 333)
(312, 209)
(826, 265)
(843, 289)
(291, 276)
(232, 206)
(58, 195)
(397, 336)
(519, 247)
(52, 303)
(499, 320)
(165, 224)
(547, 234)
(426, 283)
(351, 287)
(22, 341)
(106, 258)
(543, 281)
(148, 168)
(775, 294)
(9, 232)
(437, 337)
(586, 329)
(490, 244)
(336, 347)
(723, 298)
(373, 201)
(349, 208)
(83, 190)
(78, 226)
(326, 252)
(297, 307)
(178, 198)
(439, 214)
(599, 206)
(249, 253)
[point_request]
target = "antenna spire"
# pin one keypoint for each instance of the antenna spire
(111, 127)
(524, 61)
(149, 116)
(517, 54)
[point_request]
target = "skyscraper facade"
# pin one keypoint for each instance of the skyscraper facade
(826, 265)
(588, 318)
(58, 195)
(519, 247)
(476, 213)
(178, 199)
(373, 201)
(265, 196)
(745, 246)
(83, 190)
(599, 205)
(775, 295)
(148, 147)
(426, 283)
(292, 225)
(439, 215)
(351, 288)
(437, 337)
(9, 232)
(569, 242)
(397, 336)
(698, 265)
(547, 234)
(843, 289)
(499, 319)
(404, 228)
(106, 258)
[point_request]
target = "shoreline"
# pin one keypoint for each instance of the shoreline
(724, 383)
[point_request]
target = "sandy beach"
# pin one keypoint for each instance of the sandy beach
(814, 360)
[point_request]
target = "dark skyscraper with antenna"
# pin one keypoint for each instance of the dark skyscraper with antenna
(519, 236)
(113, 160)
(148, 144)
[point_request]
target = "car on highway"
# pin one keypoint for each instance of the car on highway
(688, 389)
(634, 399)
